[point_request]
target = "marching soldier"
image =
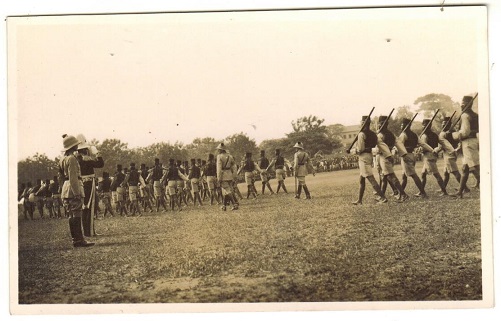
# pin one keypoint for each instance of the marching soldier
(180, 183)
(430, 158)
(405, 144)
(263, 167)
(468, 135)
(366, 141)
(72, 191)
(226, 171)
(118, 180)
(203, 179)
(104, 187)
(55, 190)
(301, 162)
(448, 146)
(279, 163)
(385, 143)
(133, 180)
(248, 167)
(156, 177)
(37, 198)
(171, 177)
(48, 199)
(210, 173)
(88, 159)
(194, 177)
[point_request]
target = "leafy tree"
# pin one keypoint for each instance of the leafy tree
(202, 147)
(428, 104)
(38, 166)
(270, 145)
(239, 144)
(312, 133)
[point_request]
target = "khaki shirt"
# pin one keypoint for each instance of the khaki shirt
(73, 187)
(304, 158)
(226, 168)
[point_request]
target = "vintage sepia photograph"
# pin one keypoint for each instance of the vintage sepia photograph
(320, 159)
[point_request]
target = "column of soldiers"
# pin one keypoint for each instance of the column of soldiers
(447, 141)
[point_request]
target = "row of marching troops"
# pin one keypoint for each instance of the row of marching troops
(431, 143)
(177, 183)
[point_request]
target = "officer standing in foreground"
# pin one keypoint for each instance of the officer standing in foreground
(226, 171)
(366, 141)
(468, 135)
(301, 162)
(73, 192)
(88, 158)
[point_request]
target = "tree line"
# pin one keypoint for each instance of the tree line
(317, 138)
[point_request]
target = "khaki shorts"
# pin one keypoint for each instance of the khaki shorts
(471, 155)
(180, 184)
(133, 193)
(264, 176)
(365, 164)
(226, 188)
(280, 173)
(211, 181)
(114, 197)
(120, 193)
(172, 188)
(429, 166)
(157, 188)
(301, 180)
(194, 185)
(410, 166)
(450, 164)
(249, 178)
(386, 165)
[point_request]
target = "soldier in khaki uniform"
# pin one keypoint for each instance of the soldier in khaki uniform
(430, 158)
(405, 144)
(72, 191)
(366, 141)
(226, 172)
(301, 163)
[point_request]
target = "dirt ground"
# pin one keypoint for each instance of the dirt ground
(273, 249)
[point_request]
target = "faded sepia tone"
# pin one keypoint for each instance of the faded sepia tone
(146, 79)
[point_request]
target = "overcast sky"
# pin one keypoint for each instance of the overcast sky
(174, 77)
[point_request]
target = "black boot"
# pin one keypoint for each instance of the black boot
(76, 233)
(86, 222)
(307, 192)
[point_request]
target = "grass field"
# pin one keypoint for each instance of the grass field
(274, 249)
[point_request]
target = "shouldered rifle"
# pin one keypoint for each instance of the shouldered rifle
(430, 123)
(385, 121)
(363, 126)
(449, 121)
(408, 125)
(470, 104)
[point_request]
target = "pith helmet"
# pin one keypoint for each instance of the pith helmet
(69, 142)
(83, 142)
(466, 100)
(299, 145)
(221, 146)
